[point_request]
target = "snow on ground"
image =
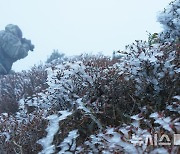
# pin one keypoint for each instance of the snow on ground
(52, 129)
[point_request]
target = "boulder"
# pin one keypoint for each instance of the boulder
(12, 47)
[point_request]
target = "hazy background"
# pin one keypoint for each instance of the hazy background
(77, 26)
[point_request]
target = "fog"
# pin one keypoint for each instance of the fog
(79, 26)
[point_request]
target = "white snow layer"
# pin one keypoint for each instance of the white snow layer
(52, 129)
(69, 142)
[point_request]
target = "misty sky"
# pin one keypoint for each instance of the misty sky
(78, 26)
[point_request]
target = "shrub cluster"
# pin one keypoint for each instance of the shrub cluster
(16, 86)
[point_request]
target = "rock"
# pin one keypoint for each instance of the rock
(12, 47)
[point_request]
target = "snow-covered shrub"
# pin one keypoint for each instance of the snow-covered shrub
(112, 93)
(74, 79)
(170, 19)
(14, 87)
(66, 83)
(35, 80)
(20, 131)
(109, 97)
(20, 135)
(133, 138)
(153, 70)
(104, 105)
(9, 93)
(97, 82)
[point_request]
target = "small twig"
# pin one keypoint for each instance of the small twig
(170, 94)
(133, 104)
(20, 147)
(114, 113)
